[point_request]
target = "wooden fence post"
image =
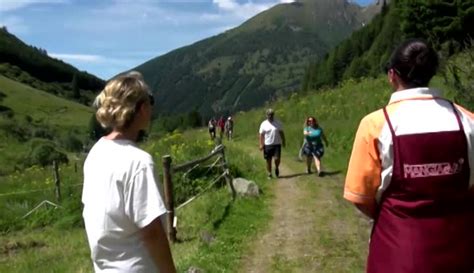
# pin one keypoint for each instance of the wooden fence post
(227, 176)
(169, 202)
(57, 181)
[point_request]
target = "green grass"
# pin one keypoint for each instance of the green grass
(35, 115)
(42, 106)
(337, 110)
(59, 232)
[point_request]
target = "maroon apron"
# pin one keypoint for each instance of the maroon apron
(425, 221)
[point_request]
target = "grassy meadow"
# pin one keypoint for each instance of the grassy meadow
(30, 117)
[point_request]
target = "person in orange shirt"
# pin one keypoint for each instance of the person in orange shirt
(411, 170)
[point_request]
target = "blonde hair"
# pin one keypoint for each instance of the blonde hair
(117, 103)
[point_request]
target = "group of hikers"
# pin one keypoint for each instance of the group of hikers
(226, 127)
(411, 171)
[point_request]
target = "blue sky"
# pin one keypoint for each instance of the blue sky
(105, 37)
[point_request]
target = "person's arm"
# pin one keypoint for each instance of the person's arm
(144, 206)
(261, 141)
(283, 140)
(323, 136)
(367, 209)
(364, 172)
(156, 242)
(306, 132)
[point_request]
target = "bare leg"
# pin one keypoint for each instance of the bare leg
(269, 166)
(308, 164)
(277, 165)
(317, 163)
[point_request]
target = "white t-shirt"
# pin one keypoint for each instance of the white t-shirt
(120, 197)
(271, 131)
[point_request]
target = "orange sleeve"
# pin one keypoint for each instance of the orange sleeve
(465, 111)
(364, 172)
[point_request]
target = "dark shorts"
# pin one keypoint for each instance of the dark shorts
(270, 151)
(313, 150)
(212, 130)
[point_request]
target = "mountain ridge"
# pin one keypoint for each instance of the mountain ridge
(262, 59)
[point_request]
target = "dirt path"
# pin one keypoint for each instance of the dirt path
(312, 230)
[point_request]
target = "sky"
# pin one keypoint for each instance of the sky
(106, 37)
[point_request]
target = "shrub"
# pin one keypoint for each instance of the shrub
(44, 154)
(71, 143)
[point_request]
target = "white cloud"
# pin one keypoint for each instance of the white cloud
(226, 4)
(9, 5)
(286, 1)
(78, 57)
(242, 10)
(15, 24)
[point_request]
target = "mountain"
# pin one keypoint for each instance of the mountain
(260, 60)
(33, 66)
(446, 24)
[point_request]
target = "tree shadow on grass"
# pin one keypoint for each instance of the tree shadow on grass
(330, 173)
(217, 223)
(292, 175)
(215, 226)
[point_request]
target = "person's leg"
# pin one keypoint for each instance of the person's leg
(309, 160)
(317, 163)
(269, 167)
(277, 157)
(277, 166)
(267, 155)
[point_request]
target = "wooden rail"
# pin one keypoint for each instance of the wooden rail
(169, 170)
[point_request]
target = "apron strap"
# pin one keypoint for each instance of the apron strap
(388, 121)
(458, 118)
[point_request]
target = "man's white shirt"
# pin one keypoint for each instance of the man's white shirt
(271, 131)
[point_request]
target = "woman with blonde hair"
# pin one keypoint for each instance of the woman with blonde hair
(122, 204)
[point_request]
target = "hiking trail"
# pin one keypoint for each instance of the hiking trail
(312, 228)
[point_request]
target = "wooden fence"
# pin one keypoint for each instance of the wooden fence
(169, 170)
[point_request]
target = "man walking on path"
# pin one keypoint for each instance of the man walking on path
(271, 138)
(229, 128)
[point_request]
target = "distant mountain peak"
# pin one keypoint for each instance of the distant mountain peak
(260, 60)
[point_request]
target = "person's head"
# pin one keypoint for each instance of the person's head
(270, 113)
(312, 121)
(126, 101)
(412, 64)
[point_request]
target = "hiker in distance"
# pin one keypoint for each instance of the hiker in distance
(122, 203)
(313, 146)
(211, 125)
(412, 171)
(271, 139)
(221, 125)
(229, 128)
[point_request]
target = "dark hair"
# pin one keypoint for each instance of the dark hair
(316, 124)
(415, 62)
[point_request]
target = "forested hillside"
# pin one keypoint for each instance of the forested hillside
(261, 60)
(448, 25)
(33, 66)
